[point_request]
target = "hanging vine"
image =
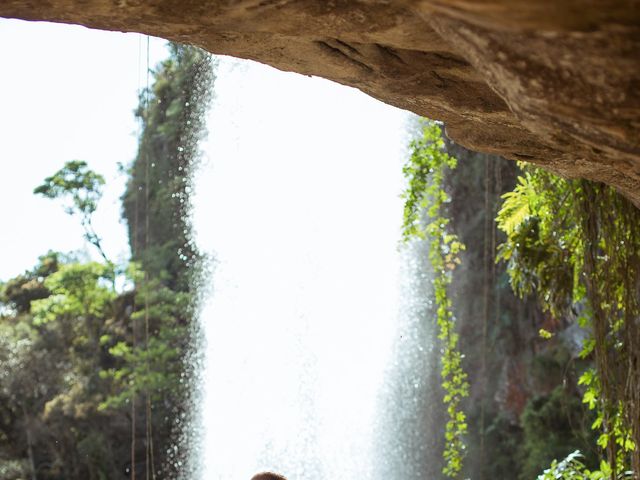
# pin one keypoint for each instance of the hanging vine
(576, 246)
(425, 171)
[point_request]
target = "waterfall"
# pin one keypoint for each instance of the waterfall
(298, 201)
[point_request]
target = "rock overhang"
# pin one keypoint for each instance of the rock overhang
(555, 83)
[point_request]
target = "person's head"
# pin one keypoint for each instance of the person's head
(268, 476)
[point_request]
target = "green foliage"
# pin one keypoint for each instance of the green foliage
(156, 203)
(18, 292)
(80, 290)
(573, 468)
(543, 251)
(425, 193)
(553, 424)
(576, 246)
(152, 367)
(610, 420)
(151, 362)
(425, 174)
(75, 358)
(546, 334)
(76, 183)
(17, 356)
(49, 362)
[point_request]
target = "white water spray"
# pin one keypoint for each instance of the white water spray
(298, 200)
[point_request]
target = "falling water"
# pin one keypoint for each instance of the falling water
(307, 337)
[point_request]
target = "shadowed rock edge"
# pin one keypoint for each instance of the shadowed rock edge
(556, 83)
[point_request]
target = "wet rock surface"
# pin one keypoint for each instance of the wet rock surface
(556, 83)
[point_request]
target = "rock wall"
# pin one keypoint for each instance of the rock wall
(554, 82)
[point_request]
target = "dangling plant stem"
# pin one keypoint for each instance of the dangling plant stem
(425, 173)
(576, 246)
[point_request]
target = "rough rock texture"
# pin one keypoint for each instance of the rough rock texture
(555, 82)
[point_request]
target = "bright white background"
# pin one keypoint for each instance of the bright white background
(66, 92)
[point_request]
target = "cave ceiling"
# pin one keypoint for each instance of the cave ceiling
(556, 83)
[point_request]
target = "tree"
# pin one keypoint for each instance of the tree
(152, 366)
(82, 187)
(156, 203)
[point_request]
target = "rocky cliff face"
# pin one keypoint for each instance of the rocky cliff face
(554, 82)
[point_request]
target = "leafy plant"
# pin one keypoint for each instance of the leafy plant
(152, 366)
(425, 172)
(572, 468)
(83, 187)
(576, 246)
(156, 203)
(78, 290)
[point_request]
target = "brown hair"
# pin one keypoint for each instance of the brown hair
(268, 476)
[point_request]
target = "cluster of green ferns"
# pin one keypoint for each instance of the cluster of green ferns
(575, 246)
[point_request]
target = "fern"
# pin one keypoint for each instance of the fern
(516, 207)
